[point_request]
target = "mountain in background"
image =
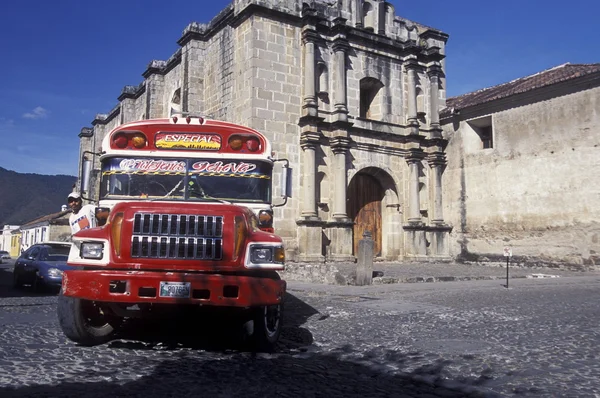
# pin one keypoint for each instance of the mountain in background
(25, 197)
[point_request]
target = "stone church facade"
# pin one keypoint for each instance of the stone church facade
(349, 92)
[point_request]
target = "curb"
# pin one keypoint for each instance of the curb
(432, 279)
(337, 278)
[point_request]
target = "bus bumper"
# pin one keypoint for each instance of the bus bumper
(173, 288)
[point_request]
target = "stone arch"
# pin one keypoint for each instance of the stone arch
(371, 94)
(374, 189)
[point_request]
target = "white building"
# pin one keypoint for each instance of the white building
(5, 237)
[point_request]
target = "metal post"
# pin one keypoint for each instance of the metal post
(507, 260)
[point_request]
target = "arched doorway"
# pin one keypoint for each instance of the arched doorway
(364, 208)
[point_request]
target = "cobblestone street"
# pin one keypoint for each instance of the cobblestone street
(469, 338)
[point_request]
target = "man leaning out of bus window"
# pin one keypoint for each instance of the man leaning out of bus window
(83, 217)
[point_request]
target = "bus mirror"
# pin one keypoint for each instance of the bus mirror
(86, 169)
(282, 167)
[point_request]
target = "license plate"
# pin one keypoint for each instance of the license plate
(175, 289)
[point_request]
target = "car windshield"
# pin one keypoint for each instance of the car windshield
(188, 179)
(55, 253)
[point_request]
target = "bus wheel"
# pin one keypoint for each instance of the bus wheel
(267, 327)
(83, 321)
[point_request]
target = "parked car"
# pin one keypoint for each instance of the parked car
(42, 265)
(4, 255)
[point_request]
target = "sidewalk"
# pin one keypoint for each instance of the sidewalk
(413, 272)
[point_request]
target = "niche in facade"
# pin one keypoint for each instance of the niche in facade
(323, 82)
(370, 98)
(175, 106)
(368, 16)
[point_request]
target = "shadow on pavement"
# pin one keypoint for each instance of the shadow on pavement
(199, 374)
(210, 330)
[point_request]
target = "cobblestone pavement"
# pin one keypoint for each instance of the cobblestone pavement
(468, 338)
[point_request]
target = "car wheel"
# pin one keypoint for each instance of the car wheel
(17, 284)
(84, 322)
(36, 283)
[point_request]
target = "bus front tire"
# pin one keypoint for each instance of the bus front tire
(83, 322)
(265, 329)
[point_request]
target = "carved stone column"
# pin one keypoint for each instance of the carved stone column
(415, 240)
(414, 211)
(434, 72)
(310, 96)
(340, 47)
(412, 119)
(340, 146)
(438, 231)
(310, 226)
(339, 229)
(308, 142)
(358, 13)
(437, 163)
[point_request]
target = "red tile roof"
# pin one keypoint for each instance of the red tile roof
(542, 79)
(54, 219)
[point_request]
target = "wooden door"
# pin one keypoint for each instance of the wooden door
(364, 208)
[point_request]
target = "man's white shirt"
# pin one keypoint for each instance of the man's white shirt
(85, 218)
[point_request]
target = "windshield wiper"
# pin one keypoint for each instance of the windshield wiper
(209, 198)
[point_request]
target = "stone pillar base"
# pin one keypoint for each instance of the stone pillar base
(415, 241)
(438, 236)
(341, 242)
(310, 241)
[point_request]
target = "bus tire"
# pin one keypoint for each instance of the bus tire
(266, 329)
(83, 322)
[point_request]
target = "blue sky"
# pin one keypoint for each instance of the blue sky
(64, 61)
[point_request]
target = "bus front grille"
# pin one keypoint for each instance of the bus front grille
(177, 236)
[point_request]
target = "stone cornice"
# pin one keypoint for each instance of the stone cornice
(308, 120)
(309, 139)
(132, 91)
(103, 118)
(203, 32)
(339, 144)
(310, 222)
(86, 132)
(436, 159)
(162, 67)
(429, 228)
(435, 34)
(415, 155)
(435, 70)
(310, 36)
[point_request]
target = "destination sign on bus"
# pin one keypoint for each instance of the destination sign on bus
(194, 141)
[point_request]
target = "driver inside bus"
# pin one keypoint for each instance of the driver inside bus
(195, 189)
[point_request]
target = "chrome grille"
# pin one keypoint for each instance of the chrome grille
(177, 236)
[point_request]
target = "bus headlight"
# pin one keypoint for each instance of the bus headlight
(92, 250)
(267, 255)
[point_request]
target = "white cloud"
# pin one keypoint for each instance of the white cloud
(37, 113)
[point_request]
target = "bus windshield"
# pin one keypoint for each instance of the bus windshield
(186, 179)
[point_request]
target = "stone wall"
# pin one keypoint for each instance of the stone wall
(537, 189)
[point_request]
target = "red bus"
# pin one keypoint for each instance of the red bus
(185, 218)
